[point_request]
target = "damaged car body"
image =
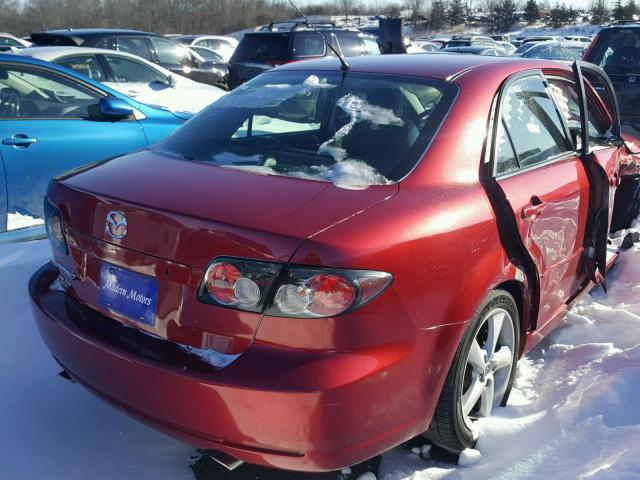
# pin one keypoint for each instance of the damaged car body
(325, 263)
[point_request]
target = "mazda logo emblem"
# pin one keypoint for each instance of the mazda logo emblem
(116, 224)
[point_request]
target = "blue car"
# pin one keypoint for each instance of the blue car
(52, 120)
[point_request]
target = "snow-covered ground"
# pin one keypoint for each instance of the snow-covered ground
(51, 429)
(574, 412)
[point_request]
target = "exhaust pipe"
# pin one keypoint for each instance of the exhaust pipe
(227, 461)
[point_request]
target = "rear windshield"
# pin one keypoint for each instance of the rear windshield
(355, 131)
(260, 48)
(617, 51)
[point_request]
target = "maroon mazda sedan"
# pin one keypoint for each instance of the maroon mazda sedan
(325, 263)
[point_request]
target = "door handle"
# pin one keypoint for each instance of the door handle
(19, 140)
(532, 211)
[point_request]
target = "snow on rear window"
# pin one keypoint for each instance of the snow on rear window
(354, 130)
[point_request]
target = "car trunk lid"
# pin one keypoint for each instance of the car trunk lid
(181, 217)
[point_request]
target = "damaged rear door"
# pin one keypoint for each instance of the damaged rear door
(542, 190)
(600, 154)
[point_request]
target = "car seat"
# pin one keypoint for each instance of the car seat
(382, 144)
(9, 103)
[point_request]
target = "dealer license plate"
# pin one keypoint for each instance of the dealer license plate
(129, 293)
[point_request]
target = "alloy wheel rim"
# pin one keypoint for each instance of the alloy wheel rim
(488, 366)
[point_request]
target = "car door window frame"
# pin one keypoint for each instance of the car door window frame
(593, 141)
(497, 120)
(36, 68)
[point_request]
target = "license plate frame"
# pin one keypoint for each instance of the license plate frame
(131, 294)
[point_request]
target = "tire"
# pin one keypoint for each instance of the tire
(450, 426)
(626, 205)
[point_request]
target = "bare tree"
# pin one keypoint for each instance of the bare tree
(416, 7)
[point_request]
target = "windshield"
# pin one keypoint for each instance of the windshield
(617, 51)
(261, 48)
(355, 131)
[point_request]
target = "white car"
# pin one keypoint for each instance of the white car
(10, 43)
(224, 46)
(134, 76)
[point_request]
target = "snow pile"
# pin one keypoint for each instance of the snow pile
(574, 411)
(216, 359)
(17, 220)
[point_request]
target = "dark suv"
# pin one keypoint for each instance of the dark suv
(616, 49)
(155, 48)
(280, 43)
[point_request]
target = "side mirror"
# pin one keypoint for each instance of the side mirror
(115, 108)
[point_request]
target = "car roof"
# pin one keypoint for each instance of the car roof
(307, 31)
(469, 49)
(195, 36)
(80, 35)
(442, 66)
(72, 32)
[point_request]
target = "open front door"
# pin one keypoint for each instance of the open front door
(601, 163)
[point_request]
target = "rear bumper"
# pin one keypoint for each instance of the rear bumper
(272, 407)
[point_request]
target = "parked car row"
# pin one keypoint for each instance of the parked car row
(546, 47)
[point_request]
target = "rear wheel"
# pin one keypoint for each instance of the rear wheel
(481, 375)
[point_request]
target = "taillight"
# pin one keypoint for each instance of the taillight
(238, 283)
(55, 228)
(300, 292)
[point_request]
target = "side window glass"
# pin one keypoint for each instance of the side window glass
(213, 43)
(566, 97)
(371, 47)
(308, 45)
(127, 70)
(34, 93)
(350, 45)
(86, 65)
(505, 157)
(170, 54)
(107, 43)
(533, 123)
(6, 41)
(135, 45)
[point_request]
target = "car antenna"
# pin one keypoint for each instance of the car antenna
(345, 66)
